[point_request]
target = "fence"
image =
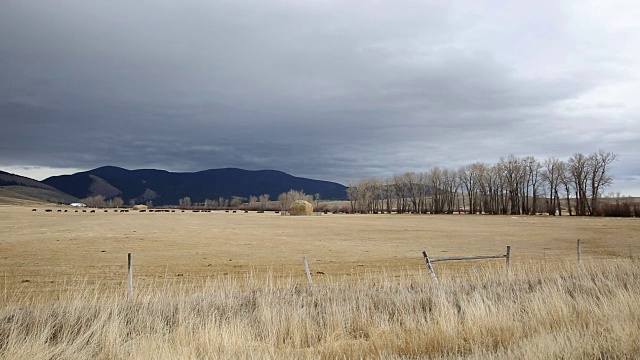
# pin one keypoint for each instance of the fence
(44, 282)
(430, 261)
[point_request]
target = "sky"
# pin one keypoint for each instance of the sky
(331, 90)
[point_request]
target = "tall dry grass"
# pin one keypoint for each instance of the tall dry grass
(534, 313)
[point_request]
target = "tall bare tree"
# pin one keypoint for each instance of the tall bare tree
(531, 168)
(600, 178)
(567, 184)
(514, 176)
(352, 193)
(580, 169)
(388, 194)
(551, 174)
(264, 201)
(401, 188)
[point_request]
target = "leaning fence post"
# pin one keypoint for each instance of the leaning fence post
(428, 261)
(579, 253)
(130, 273)
(306, 268)
(508, 259)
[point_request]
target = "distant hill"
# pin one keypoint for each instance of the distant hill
(166, 188)
(16, 189)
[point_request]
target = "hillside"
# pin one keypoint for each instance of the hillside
(8, 197)
(16, 189)
(166, 188)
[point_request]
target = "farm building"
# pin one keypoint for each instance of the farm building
(78, 205)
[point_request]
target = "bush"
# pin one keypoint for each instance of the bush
(619, 209)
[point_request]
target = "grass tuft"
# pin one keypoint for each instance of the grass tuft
(535, 312)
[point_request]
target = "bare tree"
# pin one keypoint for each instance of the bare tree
(443, 186)
(401, 188)
(513, 175)
(468, 179)
(388, 194)
(253, 200)
(580, 169)
(117, 202)
(451, 185)
(567, 183)
(551, 174)
(286, 199)
(185, 201)
(236, 201)
(352, 193)
(421, 189)
(409, 179)
(492, 189)
(264, 201)
(94, 201)
(600, 164)
(478, 172)
(531, 168)
(437, 189)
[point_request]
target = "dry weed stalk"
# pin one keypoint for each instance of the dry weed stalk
(534, 313)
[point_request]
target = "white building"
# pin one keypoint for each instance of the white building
(78, 205)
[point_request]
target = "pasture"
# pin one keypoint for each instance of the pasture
(232, 285)
(50, 252)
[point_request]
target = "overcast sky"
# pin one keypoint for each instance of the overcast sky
(332, 90)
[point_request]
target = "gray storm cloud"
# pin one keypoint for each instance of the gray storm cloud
(330, 90)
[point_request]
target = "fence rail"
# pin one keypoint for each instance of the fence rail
(430, 261)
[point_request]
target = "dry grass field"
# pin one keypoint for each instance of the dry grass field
(232, 285)
(43, 251)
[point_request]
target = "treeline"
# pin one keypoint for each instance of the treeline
(99, 201)
(220, 203)
(513, 186)
(261, 202)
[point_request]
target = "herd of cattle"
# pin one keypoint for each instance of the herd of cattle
(154, 210)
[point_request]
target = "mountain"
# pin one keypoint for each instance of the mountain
(16, 189)
(166, 188)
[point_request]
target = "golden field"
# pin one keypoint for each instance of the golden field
(232, 285)
(39, 250)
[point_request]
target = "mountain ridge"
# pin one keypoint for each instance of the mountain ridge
(166, 188)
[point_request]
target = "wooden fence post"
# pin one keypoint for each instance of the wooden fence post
(428, 261)
(130, 273)
(579, 253)
(508, 259)
(306, 268)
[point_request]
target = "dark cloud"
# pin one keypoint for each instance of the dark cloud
(330, 90)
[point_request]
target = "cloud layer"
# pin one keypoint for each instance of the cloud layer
(325, 89)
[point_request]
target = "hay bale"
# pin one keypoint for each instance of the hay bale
(140, 207)
(301, 207)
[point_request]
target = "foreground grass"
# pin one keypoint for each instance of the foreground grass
(534, 313)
